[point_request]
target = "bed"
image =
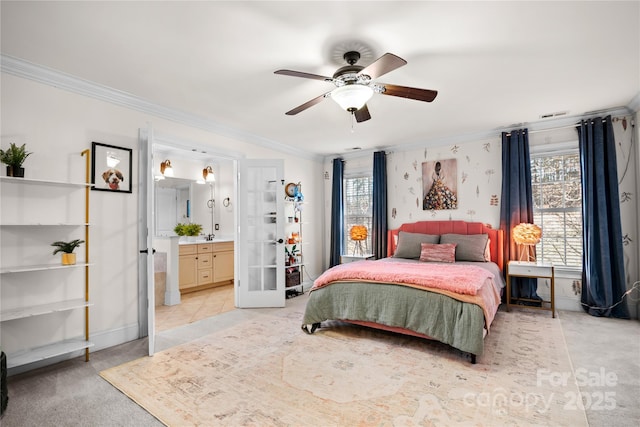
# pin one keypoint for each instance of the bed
(441, 280)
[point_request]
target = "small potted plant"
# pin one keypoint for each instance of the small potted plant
(189, 230)
(67, 248)
(291, 254)
(14, 157)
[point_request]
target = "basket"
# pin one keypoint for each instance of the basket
(292, 278)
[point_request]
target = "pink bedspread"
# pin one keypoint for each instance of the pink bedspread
(460, 279)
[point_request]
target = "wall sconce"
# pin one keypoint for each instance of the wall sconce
(166, 169)
(207, 174)
(358, 233)
(526, 235)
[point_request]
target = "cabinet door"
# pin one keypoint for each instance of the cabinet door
(223, 266)
(188, 268)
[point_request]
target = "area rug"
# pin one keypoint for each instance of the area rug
(266, 372)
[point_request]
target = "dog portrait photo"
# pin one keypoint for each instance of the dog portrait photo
(112, 178)
(111, 168)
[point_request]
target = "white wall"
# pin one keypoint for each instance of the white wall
(57, 125)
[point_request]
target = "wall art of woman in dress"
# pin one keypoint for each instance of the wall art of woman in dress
(439, 182)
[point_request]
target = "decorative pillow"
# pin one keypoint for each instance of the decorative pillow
(438, 253)
(409, 244)
(472, 247)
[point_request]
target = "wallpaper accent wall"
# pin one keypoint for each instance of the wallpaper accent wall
(626, 146)
(478, 183)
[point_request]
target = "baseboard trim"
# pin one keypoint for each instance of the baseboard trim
(101, 341)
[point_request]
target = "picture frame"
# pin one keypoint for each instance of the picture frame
(440, 184)
(111, 168)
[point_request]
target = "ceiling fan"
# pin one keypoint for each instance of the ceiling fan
(355, 86)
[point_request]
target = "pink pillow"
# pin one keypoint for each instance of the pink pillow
(445, 252)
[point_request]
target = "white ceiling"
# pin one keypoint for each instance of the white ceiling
(495, 64)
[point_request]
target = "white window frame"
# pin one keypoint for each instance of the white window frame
(348, 243)
(567, 148)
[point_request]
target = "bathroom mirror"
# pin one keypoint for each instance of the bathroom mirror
(184, 200)
(172, 204)
(205, 207)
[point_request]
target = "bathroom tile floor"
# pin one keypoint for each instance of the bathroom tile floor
(195, 306)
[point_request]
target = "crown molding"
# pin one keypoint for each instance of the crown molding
(538, 126)
(28, 70)
(634, 105)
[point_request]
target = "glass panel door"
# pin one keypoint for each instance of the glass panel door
(261, 234)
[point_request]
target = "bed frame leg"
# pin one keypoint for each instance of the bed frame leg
(313, 328)
(473, 358)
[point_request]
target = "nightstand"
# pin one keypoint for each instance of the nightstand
(533, 270)
(344, 259)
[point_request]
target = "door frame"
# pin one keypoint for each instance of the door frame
(152, 138)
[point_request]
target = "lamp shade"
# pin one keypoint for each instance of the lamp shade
(527, 234)
(358, 232)
(352, 97)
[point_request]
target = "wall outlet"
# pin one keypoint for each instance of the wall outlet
(217, 227)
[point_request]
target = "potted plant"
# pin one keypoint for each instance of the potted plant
(14, 157)
(291, 254)
(189, 230)
(67, 248)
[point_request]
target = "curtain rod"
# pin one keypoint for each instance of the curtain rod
(559, 127)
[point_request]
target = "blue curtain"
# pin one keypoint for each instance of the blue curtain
(517, 202)
(337, 214)
(379, 217)
(603, 281)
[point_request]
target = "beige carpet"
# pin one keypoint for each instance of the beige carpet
(267, 372)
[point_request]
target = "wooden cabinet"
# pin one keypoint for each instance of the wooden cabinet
(205, 265)
(188, 267)
(223, 261)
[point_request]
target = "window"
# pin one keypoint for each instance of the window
(358, 195)
(557, 207)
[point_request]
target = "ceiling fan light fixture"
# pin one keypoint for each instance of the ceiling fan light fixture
(352, 97)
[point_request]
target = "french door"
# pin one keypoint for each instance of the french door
(261, 234)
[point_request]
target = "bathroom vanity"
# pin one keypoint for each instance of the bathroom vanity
(203, 265)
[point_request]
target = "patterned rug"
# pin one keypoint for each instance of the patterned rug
(267, 372)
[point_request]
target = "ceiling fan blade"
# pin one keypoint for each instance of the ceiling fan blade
(381, 66)
(303, 75)
(425, 95)
(362, 115)
(306, 105)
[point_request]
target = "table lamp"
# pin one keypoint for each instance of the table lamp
(358, 233)
(526, 235)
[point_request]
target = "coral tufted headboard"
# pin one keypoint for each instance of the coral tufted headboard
(496, 237)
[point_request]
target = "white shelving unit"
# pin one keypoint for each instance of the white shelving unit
(295, 268)
(34, 293)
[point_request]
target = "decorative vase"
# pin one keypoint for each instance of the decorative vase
(15, 171)
(68, 259)
(191, 238)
